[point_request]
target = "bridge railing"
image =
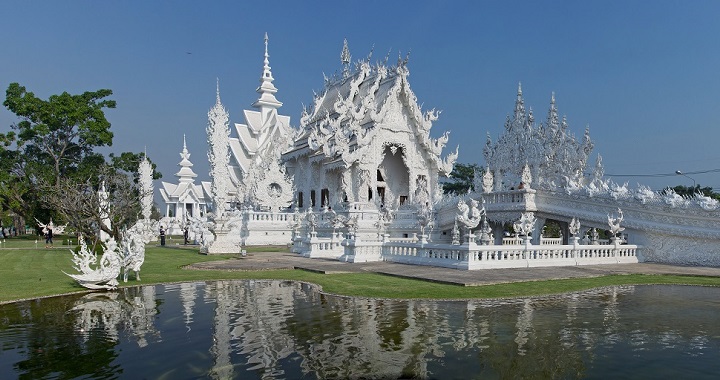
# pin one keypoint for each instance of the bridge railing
(472, 257)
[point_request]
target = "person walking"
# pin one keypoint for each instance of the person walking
(185, 235)
(48, 238)
(162, 236)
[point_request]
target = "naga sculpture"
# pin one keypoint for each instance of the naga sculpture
(105, 274)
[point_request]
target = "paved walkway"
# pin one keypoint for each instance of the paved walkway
(280, 260)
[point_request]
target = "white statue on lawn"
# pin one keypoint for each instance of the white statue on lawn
(105, 274)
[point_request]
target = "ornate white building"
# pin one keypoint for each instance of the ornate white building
(359, 181)
(185, 199)
(257, 175)
(366, 141)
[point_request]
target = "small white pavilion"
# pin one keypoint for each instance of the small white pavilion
(185, 199)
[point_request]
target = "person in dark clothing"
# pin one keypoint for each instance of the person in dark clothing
(48, 238)
(162, 236)
(185, 235)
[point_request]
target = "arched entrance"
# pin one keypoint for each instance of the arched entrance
(393, 179)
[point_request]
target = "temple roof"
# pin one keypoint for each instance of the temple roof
(353, 107)
(186, 173)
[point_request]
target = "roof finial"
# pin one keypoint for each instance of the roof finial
(217, 91)
(267, 56)
(267, 90)
(345, 58)
(519, 88)
(184, 143)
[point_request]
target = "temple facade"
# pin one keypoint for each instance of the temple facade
(258, 177)
(365, 141)
(185, 199)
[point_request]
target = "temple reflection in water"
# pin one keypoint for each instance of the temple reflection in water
(275, 329)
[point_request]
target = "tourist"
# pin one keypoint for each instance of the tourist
(185, 235)
(162, 236)
(48, 238)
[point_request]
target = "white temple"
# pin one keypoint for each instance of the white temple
(359, 180)
(365, 141)
(258, 178)
(185, 199)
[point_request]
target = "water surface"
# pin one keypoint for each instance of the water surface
(280, 329)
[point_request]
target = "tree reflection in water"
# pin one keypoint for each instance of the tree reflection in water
(280, 329)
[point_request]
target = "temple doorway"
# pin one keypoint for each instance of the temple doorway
(395, 174)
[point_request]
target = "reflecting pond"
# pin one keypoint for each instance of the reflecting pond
(278, 329)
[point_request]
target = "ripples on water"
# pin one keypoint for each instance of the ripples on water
(280, 329)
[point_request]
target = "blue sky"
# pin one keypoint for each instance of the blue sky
(643, 75)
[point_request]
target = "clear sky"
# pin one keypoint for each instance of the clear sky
(642, 74)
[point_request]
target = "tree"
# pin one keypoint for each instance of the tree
(49, 167)
(461, 179)
(61, 132)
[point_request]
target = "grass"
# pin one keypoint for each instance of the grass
(26, 272)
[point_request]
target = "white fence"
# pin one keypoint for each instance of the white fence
(473, 257)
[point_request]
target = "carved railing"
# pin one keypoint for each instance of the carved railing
(265, 216)
(473, 257)
(322, 247)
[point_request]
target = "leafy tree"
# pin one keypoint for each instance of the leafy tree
(60, 133)
(461, 179)
(49, 167)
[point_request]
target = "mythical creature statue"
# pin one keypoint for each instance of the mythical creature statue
(105, 274)
(133, 245)
(425, 219)
(133, 251)
(455, 234)
(469, 216)
(525, 225)
(614, 223)
(574, 226)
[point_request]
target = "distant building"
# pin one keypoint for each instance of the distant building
(185, 199)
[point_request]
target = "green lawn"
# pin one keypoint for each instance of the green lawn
(31, 273)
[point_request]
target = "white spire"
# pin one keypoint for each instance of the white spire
(267, 90)
(217, 98)
(186, 173)
(345, 59)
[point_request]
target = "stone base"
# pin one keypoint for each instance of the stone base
(225, 242)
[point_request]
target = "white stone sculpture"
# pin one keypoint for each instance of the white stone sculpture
(619, 191)
(104, 211)
(526, 177)
(644, 194)
(455, 234)
(469, 216)
(425, 220)
(57, 230)
(145, 182)
(614, 223)
(706, 203)
(674, 199)
(133, 251)
(218, 136)
(105, 274)
(574, 227)
(526, 225)
(487, 181)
